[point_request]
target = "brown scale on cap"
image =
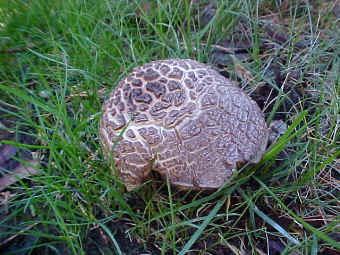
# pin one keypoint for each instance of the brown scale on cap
(183, 118)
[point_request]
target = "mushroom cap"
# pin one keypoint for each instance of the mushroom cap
(182, 119)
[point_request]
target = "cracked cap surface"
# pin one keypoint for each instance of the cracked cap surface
(183, 118)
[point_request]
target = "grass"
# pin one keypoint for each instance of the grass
(60, 59)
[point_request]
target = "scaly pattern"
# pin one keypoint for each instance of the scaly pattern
(183, 118)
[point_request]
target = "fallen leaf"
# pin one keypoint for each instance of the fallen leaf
(18, 173)
(6, 152)
(244, 74)
(144, 8)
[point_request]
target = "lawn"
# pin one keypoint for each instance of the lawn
(59, 61)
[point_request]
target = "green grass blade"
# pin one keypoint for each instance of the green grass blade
(113, 239)
(199, 231)
(287, 136)
(314, 249)
(309, 174)
(275, 225)
(307, 226)
(20, 94)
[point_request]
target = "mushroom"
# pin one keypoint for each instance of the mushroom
(184, 120)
